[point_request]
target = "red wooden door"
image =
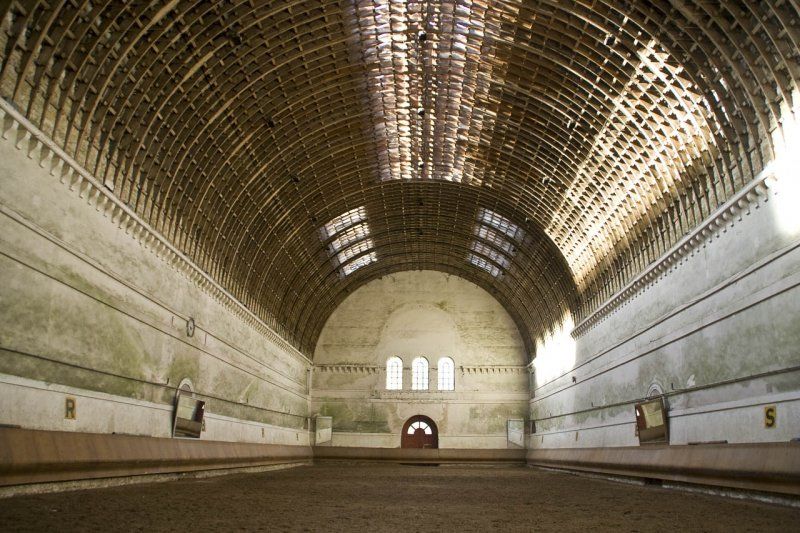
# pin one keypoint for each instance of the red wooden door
(419, 432)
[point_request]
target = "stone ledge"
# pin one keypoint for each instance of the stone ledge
(764, 467)
(37, 456)
(419, 455)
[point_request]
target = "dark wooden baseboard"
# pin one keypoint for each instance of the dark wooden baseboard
(763, 467)
(420, 456)
(33, 456)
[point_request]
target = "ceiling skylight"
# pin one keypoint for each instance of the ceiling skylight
(348, 243)
(484, 264)
(343, 221)
(492, 248)
(491, 253)
(357, 249)
(498, 240)
(500, 223)
(349, 236)
(364, 260)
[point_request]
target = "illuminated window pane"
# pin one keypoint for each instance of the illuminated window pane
(343, 221)
(446, 374)
(394, 374)
(491, 253)
(419, 374)
(419, 425)
(354, 265)
(500, 223)
(483, 264)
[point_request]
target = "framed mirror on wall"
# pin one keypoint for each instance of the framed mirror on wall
(188, 420)
(515, 433)
(651, 422)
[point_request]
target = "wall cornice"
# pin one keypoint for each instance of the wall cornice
(726, 216)
(358, 368)
(494, 369)
(352, 368)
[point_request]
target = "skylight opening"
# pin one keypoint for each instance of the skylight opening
(350, 242)
(492, 248)
(491, 236)
(357, 249)
(349, 236)
(343, 221)
(364, 260)
(483, 264)
(500, 223)
(487, 251)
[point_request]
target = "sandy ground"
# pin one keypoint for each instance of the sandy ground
(367, 498)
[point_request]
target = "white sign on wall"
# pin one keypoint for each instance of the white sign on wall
(323, 429)
(516, 433)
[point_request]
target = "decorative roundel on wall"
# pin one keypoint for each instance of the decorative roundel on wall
(190, 327)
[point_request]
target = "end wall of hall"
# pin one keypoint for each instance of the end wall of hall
(420, 314)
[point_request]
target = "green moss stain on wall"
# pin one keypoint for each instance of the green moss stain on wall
(356, 417)
(492, 419)
(55, 372)
(183, 365)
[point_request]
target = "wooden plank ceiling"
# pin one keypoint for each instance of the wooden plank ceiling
(545, 150)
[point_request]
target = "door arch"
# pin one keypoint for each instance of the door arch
(419, 431)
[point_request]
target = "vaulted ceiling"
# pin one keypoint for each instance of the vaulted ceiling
(546, 150)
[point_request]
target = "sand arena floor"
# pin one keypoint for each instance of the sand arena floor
(368, 498)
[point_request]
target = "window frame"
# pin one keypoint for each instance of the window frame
(451, 378)
(394, 377)
(416, 378)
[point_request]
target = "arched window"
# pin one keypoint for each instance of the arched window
(447, 374)
(394, 374)
(419, 374)
(419, 424)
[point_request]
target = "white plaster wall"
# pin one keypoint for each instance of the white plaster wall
(36, 404)
(87, 310)
(719, 333)
(420, 313)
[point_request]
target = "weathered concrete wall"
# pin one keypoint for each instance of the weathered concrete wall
(718, 332)
(88, 312)
(412, 314)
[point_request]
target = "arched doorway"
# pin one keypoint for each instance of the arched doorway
(419, 432)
